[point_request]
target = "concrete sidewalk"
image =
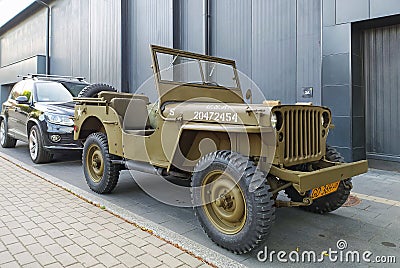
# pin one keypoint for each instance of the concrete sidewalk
(42, 225)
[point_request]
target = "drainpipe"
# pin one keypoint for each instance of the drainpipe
(206, 23)
(47, 34)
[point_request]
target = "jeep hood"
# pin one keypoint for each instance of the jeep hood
(221, 113)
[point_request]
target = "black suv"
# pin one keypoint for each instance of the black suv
(40, 111)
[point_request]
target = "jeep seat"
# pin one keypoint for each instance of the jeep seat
(133, 115)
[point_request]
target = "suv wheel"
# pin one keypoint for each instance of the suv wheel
(5, 140)
(92, 91)
(100, 173)
(232, 213)
(38, 154)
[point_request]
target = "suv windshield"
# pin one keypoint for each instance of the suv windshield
(187, 70)
(52, 92)
(74, 88)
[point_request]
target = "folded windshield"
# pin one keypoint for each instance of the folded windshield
(186, 70)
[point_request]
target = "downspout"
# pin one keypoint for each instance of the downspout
(206, 23)
(47, 34)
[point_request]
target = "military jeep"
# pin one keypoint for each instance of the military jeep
(237, 155)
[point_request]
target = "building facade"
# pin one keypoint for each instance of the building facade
(345, 51)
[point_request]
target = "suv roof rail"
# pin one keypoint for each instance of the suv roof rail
(52, 77)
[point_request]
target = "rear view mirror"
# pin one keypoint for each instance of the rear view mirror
(22, 100)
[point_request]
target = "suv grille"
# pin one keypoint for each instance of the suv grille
(304, 137)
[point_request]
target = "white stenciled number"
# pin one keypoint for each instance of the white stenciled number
(235, 117)
(216, 116)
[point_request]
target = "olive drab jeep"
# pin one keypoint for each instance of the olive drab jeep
(238, 156)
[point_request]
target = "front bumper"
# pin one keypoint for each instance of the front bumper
(329, 173)
(66, 134)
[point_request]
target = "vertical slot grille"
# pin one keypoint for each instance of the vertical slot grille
(302, 138)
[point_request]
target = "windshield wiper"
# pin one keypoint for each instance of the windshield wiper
(211, 83)
(207, 83)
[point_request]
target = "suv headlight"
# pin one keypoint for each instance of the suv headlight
(59, 119)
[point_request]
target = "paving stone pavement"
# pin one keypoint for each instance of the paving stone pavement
(42, 225)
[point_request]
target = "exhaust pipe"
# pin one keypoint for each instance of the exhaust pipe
(143, 167)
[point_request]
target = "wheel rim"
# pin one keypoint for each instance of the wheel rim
(2, 133)
(95, 163)
(224, 202)
(33, 144)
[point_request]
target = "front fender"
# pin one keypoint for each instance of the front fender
(197, 139)
(30, 123)
(110, 125)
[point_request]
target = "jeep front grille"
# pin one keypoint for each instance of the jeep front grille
(303, 135)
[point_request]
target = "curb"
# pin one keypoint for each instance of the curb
(197, 250)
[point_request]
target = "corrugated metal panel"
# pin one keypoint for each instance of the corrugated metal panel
(231, 31)
(86, 40)
(151, 23)
(382, 81)
(191, 25)
(105, 41)
(25, 40)
(274, 48)
(309, 50)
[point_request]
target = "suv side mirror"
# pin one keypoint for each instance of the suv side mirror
(22, 100)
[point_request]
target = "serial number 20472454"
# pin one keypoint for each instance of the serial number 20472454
(216, 116)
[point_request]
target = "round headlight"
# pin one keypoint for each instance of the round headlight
(325, 119)
(274, 120)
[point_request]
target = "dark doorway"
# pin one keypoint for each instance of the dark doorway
(381, 58)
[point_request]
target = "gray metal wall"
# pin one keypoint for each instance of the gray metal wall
(86, 40)
(189, 25)
(151, 22)
(24, 41)
(342, 87)
(260, 35)
(275, 42)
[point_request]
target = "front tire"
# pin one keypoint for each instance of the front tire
(100, 173)
(38, 154)
(232, 201)
(5, 140)
(331, 201)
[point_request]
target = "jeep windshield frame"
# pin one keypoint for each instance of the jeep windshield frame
(185, 76)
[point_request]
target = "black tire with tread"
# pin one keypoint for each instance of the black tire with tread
(259, 202)
(329, 202)
(111, 171)
(9, 142)
(92, 91)
(43, 156)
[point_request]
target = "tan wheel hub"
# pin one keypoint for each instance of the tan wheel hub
(95, 163)
(224, 202)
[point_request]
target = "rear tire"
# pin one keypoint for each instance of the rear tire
(37, 152)
(92, 91)
(331, 201)
(232, 213)
(100, 173)
(5, 140)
